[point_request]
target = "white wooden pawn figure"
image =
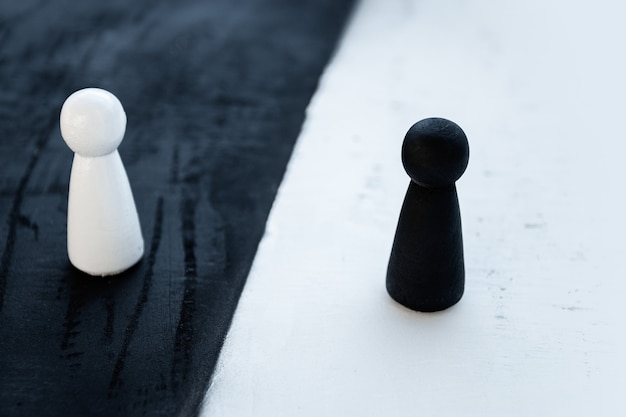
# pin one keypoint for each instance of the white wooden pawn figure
(103, 231)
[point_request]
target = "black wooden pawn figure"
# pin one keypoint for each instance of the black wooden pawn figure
(426, 270)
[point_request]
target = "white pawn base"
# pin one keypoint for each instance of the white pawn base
(103, 232)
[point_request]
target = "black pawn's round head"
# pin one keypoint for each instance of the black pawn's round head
(435, 152)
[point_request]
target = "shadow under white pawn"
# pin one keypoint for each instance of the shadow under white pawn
(103, 231)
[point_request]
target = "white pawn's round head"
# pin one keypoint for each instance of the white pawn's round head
(93, 122)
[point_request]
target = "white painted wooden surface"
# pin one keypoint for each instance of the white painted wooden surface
(538, 86)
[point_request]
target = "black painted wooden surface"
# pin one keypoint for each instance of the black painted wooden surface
(215, 93)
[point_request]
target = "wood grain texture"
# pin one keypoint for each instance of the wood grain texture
(215, 94)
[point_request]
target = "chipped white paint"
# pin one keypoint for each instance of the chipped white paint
(103, 232)
(538, 87)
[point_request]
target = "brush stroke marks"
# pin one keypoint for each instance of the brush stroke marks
(185, 329)
(15, 217)
(141, 301)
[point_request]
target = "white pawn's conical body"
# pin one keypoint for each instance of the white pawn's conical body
(103, 231)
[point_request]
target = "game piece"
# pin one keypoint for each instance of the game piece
(426, 270)
(103, 232)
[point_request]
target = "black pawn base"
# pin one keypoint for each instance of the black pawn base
(426, 270)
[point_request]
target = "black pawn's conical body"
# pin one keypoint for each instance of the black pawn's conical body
(426, 270)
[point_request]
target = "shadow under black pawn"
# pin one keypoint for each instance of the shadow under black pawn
(426, 270)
